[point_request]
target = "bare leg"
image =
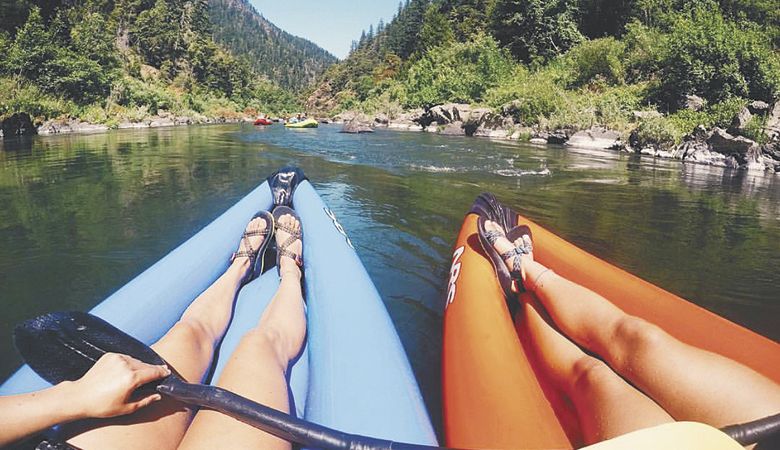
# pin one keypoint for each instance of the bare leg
(257, 368)
(606, 405)
(688, 382)
(188, 347)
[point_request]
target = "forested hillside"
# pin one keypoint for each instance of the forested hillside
(291, 61)
(568, 63)
(122, 61)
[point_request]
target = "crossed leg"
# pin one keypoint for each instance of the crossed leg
(188, 347)
(257, 369)
(687, 382)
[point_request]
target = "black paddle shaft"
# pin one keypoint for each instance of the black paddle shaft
(65, 345)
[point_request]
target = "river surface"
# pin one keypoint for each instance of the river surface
(80, 215)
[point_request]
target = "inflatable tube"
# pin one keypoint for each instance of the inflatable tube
(360, 379)
(493, 397)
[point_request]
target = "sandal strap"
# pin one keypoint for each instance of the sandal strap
(244, 244)
(294, 256)
(289, 230)
(282, 248)
(493, 235)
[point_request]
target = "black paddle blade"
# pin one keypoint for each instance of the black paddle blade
(283, 183)
(65, 345)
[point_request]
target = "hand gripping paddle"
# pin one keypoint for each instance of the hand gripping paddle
(65, 345)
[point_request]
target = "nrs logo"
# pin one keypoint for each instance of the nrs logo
(454, 274)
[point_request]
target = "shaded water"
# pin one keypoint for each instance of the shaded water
(80, 215)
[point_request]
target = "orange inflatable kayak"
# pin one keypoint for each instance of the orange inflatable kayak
(493, 398)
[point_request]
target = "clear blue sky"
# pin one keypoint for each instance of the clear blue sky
(331, 24)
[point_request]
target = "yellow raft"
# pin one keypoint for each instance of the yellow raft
(308, 123)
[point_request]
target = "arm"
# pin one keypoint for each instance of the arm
(105, 391)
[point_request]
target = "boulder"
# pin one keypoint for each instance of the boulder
(18, 124)
(538, 140)
(740, 122)
(445, 114)
(597, 138)
(355, 126)
(381, 120)
(772, 128)
(693, 102)
(723, 142)
(491, 125)
(557, 137)
(453, 129)
(644, 115)
(758, 107)
(475, 119)
(55, 126)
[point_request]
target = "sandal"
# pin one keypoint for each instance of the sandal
(256, 256)
(511, 281)
(281, 247)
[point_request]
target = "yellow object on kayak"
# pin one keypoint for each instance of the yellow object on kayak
(676, 435)
(308, 123)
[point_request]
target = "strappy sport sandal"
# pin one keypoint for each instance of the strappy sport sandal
(256, 256)
(511, 281)
(281, 247)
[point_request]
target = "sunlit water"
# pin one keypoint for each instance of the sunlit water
(80, 215)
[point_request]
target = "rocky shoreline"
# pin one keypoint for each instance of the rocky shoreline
(715, 147)
(20, 124)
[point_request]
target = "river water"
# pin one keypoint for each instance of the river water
(80, 215)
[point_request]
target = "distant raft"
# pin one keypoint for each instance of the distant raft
(492, 395)
(308, 123)
(353, 374)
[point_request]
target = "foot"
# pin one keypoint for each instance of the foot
(289, 262)
(250, 243)
(503, 245)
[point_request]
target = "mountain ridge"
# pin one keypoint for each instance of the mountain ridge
(292, 61)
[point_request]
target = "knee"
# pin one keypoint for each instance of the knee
(271, 340)
(196, 334)
(589, 372)
(634, 337)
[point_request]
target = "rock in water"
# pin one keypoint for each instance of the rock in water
(18, 124)
(599, 138)
(354, 126)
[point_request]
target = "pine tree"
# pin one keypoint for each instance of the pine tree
(536, 30)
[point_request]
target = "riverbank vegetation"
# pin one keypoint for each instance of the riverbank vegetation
(568, 63)
(127, 60)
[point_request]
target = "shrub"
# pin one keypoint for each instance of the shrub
(716, 115)
(460, 72)
(658, 133)
(597, 59)
(717, 59)
(18, 95)
(532, 95)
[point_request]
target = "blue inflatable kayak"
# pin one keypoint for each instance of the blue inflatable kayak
(353, 374)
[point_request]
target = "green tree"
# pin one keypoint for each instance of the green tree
(536, 30)
(436, 30)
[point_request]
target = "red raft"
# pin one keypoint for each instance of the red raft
(493, 397)
(263, 121)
